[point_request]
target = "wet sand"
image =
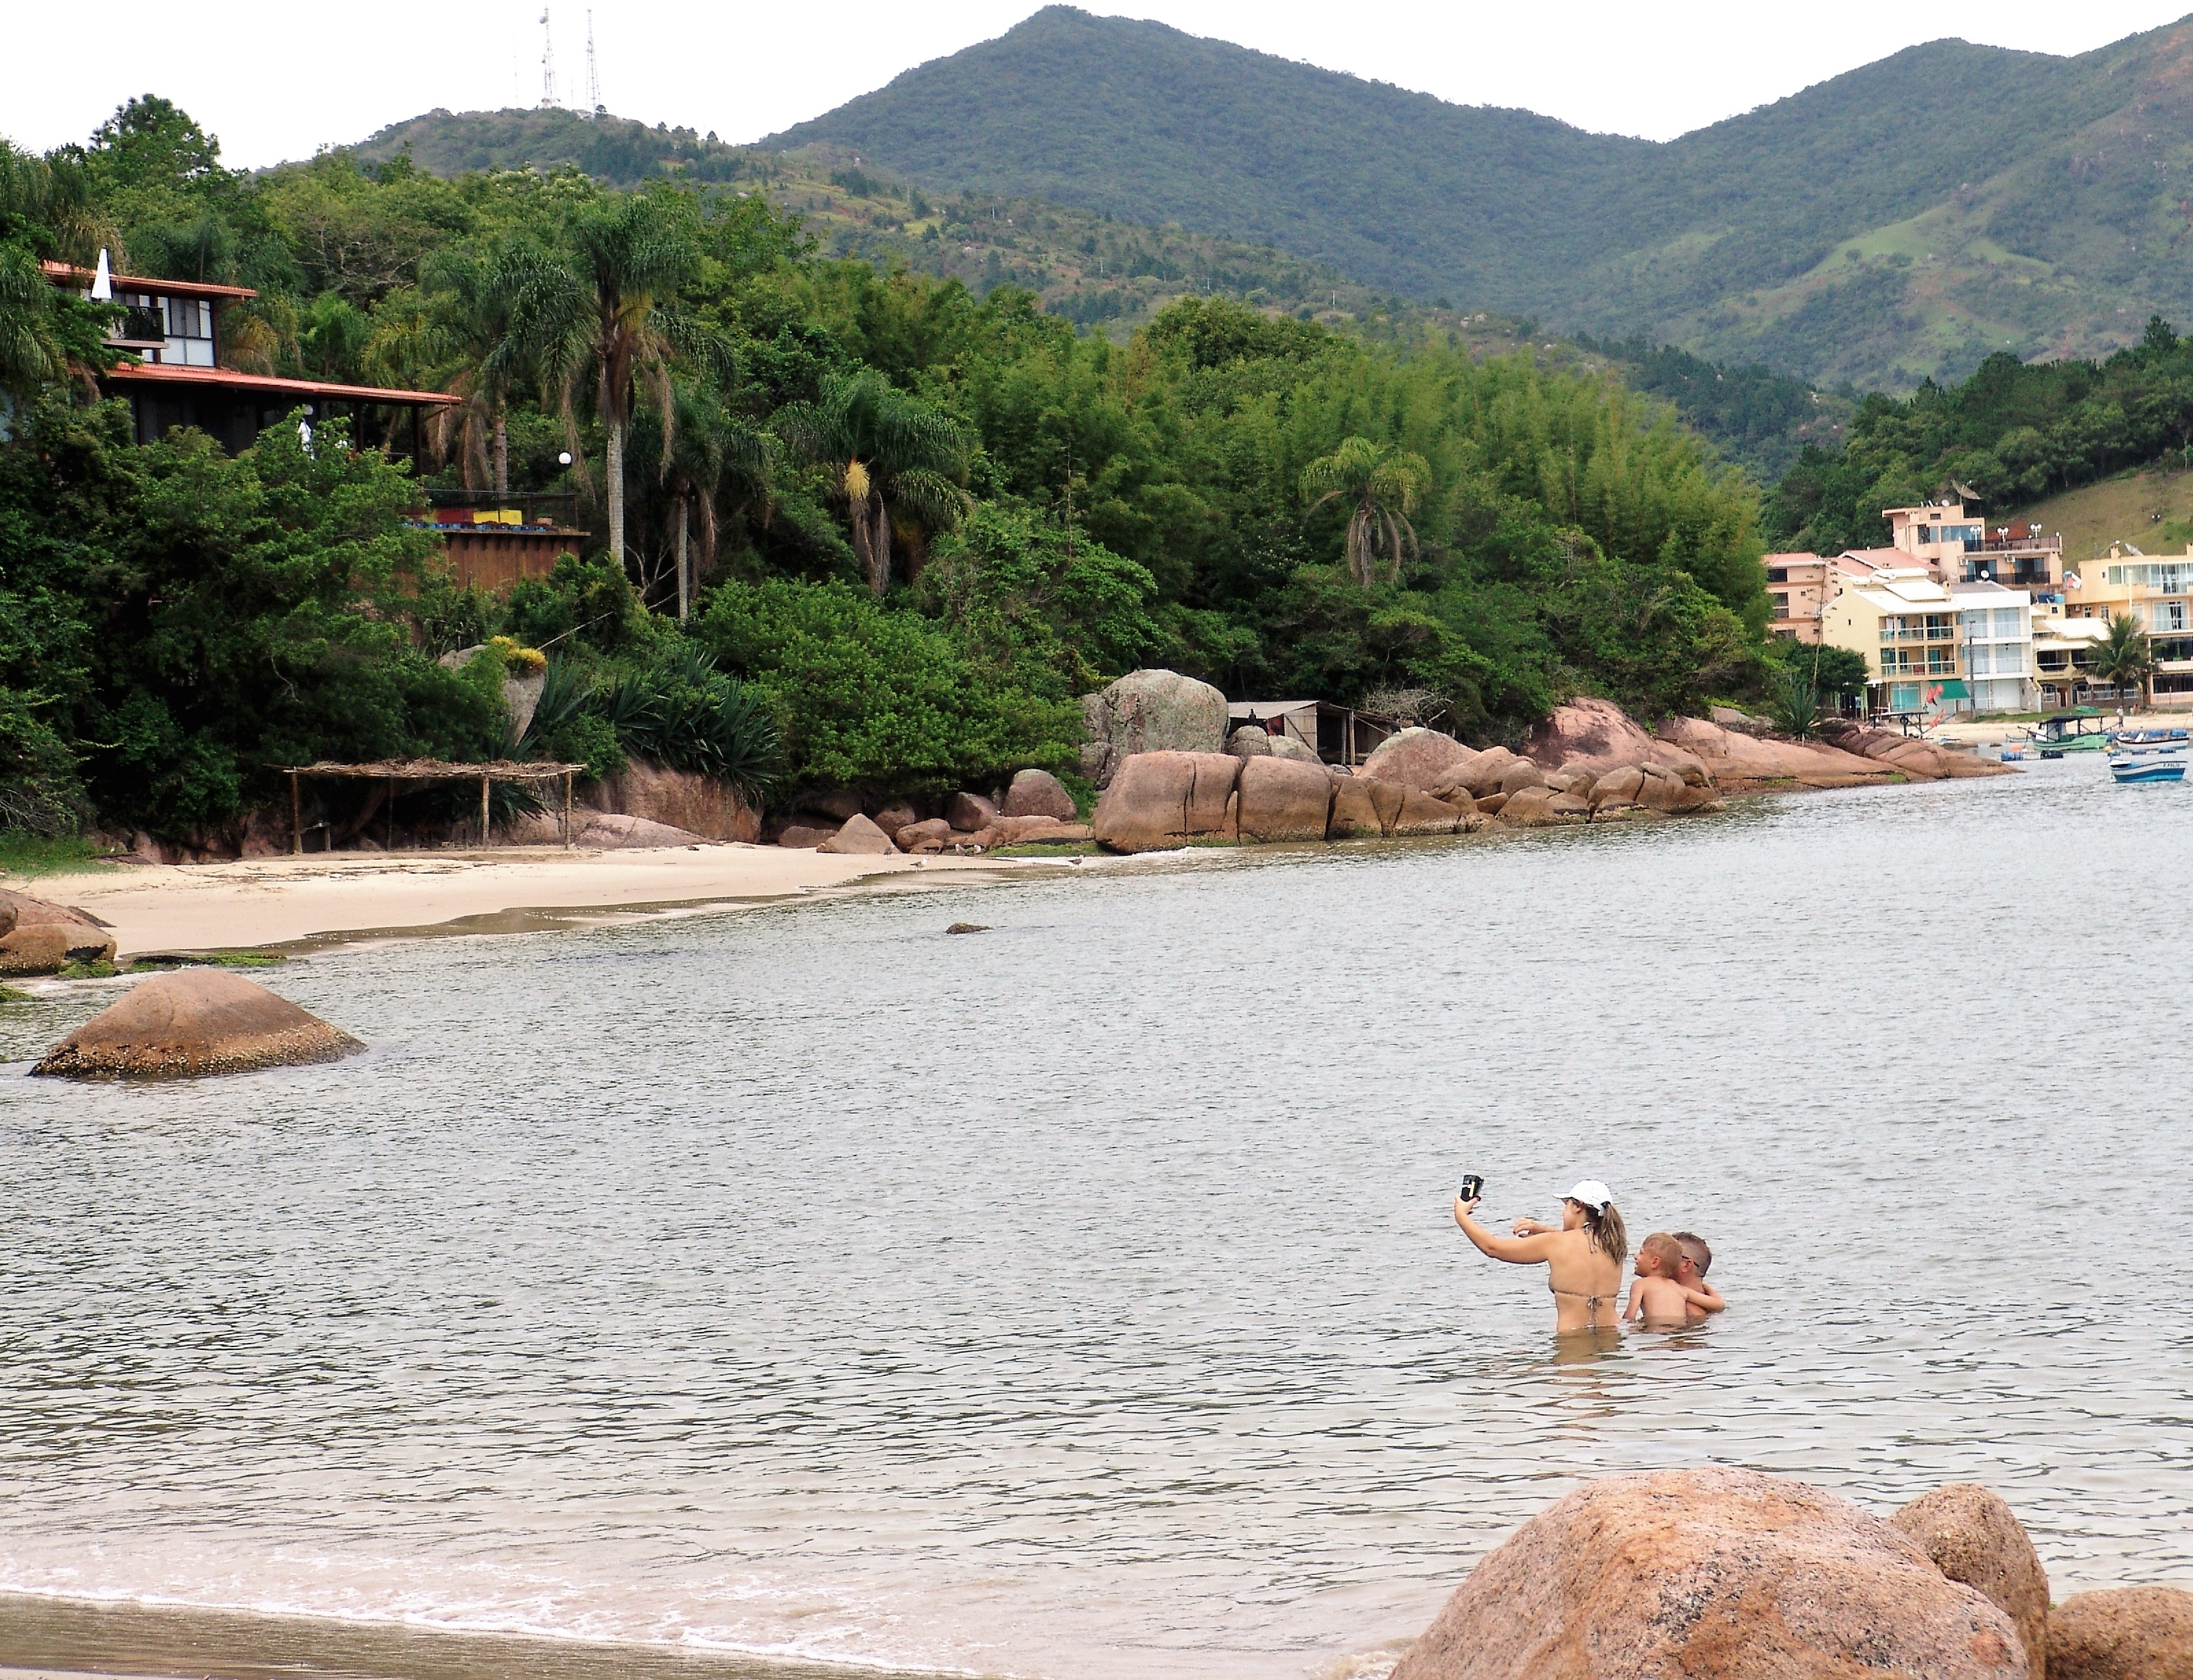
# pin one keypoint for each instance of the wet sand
(265, 901)
(63, 1639)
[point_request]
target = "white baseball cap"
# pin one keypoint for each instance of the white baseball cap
(1592, 1193)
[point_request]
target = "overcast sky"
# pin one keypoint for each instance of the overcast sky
(278, 81)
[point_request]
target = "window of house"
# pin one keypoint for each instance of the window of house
(1778, 574)
(1904, 697)
(1781, 606)
(1940, 627)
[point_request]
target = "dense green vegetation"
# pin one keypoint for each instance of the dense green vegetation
(917, 523)
(2012, 433)
(1898, 221)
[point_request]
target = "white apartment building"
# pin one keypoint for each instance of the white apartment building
(1995, 643)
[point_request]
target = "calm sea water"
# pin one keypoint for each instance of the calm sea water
(1081, 1299)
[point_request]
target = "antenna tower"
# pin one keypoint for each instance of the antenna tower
(593, 82)
(547, 64)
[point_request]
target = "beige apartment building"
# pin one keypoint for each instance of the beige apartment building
(2157, 589)
(1936, 648)
(1798, 587)
(1957, 546)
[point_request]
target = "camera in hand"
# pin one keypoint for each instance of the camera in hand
(1473, 1186)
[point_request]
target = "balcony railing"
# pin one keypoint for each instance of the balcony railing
(2035, 543)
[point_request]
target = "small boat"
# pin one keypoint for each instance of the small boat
(2137, 768)
(2167, 739)
(2079, 730)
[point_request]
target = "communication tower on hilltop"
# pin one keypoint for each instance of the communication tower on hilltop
(547, 64)
(593, 82)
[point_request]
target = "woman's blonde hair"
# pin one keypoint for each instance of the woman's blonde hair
(1608, 1233)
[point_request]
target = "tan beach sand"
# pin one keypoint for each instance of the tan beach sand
(227, 906)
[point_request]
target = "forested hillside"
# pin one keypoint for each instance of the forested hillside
(921, 521)
(1904, 220)
(2011, 434)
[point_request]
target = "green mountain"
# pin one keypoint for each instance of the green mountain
(1895, 223)
(614, 150)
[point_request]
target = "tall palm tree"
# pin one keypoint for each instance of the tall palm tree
(1383, 487)
(31, 353)
(2125, 658)
(890, 456)
(711, 450)
(453, 334)
(610, 312)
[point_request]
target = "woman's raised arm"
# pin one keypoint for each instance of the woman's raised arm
(1517, 1250)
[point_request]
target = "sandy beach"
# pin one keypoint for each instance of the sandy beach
(264, 901)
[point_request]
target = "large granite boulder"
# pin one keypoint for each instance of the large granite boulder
(1363, 809)
(1529, 807)
(1482, 777)
(2128, 1633)
(36, 938)
(1159, 800)
(1288, 747)
(1250, 741)
(613, 831)
(930, 836)
(1420, 814)
(1420, 759)
(859, 838)
(1733, 756)
(1282, 800)
(191, 1021)
(677, 799)
(1712, 1574)
(1973, 1537)
(1590, 734)
(1038, 793)
(967, 812)
(1151, 711)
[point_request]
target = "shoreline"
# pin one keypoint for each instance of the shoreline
(343, 897)
(44, 1638)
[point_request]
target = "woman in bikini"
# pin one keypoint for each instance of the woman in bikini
(1582, 1255)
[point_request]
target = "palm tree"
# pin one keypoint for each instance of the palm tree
(1383, 487)
(893, 460)
(31, 353)
(2125, 658)
(610, 312)
(453, 334)
(710, 448)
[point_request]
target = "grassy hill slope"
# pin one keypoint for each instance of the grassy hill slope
(1896, 222)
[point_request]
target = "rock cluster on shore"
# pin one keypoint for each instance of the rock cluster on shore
(193, 1022)
(37, 938)
(1731, 1575)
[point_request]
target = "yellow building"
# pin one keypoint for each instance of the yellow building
(2157, 589)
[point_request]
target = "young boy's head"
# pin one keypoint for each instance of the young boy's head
(1695, 1252)
(1658, 1255)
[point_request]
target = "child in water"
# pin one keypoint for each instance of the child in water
(1658, 1299)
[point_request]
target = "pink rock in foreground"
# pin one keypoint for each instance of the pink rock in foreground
(1712, 1574)
(193, 1022)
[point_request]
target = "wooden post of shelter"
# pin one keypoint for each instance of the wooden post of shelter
(296, 817)
(566, 810)
(484, 782)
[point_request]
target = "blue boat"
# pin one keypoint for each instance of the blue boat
(2140, 768)
(2165, 739)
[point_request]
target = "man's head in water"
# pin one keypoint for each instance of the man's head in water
(1696, 1257)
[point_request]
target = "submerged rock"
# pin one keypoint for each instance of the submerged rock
(1973, 1537)
(191, 1021)
(1713, 1574)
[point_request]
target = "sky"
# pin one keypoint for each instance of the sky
(280, 81)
